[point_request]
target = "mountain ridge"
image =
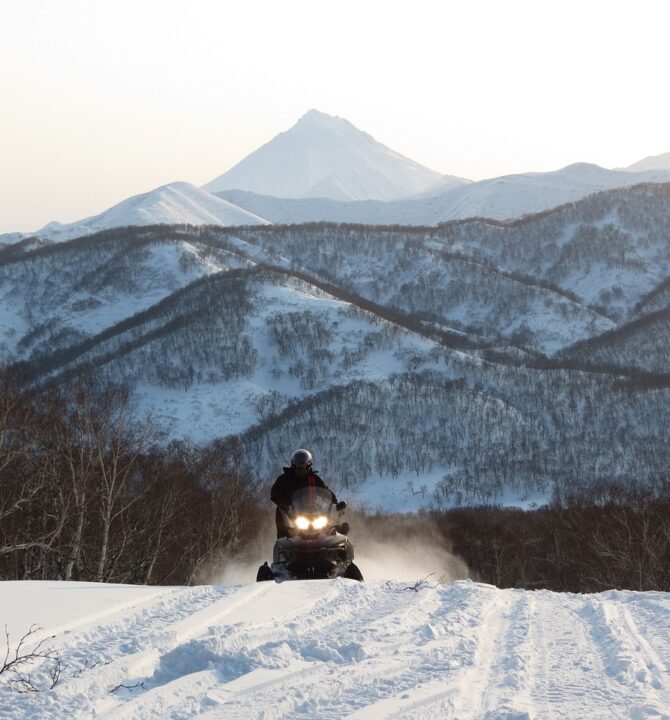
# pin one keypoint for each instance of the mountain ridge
(505, 198)
(323, 168)
(455, 340)
(651, 162)
(177, 203)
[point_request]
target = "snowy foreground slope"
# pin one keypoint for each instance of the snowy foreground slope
(339, 649)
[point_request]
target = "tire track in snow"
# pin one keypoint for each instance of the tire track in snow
(437, 697)
(238, 646)
(504, 657)
(89, 654)
(657, 672)
(574, 671)
(628, 658)
(323, 650)
(572, 674)
(495, 682)
(539, 667)
(119, 638)
(94, 619)
(639, 663)
(652, 619)
(402, 646)
(301, 658)
(127, 645)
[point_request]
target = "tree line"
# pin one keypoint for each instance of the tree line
(89, 492)
(609, 536)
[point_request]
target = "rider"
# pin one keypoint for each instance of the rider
(298, 475)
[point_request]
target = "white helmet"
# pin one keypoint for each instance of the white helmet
(301, 459)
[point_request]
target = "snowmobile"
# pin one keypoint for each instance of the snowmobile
(317, 546)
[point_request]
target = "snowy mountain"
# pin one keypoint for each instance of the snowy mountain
(230, 340)
(78, 289)
(589, 262)
(502, 198)
(334, 649)
(325, 170)
(511, 196)
(642, 343)
(327, 157)
(178, 203)
(11, 238)
(653, 162)
(432, 338)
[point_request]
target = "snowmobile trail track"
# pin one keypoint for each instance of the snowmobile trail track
(651, 626)
(566, 667)
(242, 646)
(132, 644)
(327, 650)
(490, 677)
(628, 657)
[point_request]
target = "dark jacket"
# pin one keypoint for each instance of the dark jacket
(288, 482)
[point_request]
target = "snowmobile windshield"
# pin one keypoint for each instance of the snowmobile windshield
(311, 500)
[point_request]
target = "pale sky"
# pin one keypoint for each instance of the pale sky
(103, 100)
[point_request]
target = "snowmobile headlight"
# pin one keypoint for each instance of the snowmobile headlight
(320, 522)
(301, 522)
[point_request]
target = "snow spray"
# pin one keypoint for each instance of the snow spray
(387, 547)
(406, 547)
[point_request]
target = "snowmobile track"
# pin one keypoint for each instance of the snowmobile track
(326, 650)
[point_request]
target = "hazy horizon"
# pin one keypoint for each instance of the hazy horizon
(107, 101)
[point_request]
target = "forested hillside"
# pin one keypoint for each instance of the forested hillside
(475, 361)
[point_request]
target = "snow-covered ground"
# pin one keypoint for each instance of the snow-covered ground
(340, 649)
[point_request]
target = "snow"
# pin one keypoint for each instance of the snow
(208, 410)
(178, 203)
(58, 607)
(10, 238)
(12, 325)
(500, 198)
(511, 196)
(653, 162)
(555, 321)
(326, 156)
(413, 492)
(325, 169)
(164, 276)
(158, 271)
(340, 649)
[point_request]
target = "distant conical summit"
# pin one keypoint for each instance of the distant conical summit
(326, 156)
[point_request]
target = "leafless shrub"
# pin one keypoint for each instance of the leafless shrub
(22, 656)
(127, 687)
(418, 585)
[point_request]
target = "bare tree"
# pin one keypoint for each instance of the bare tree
(118, 444)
